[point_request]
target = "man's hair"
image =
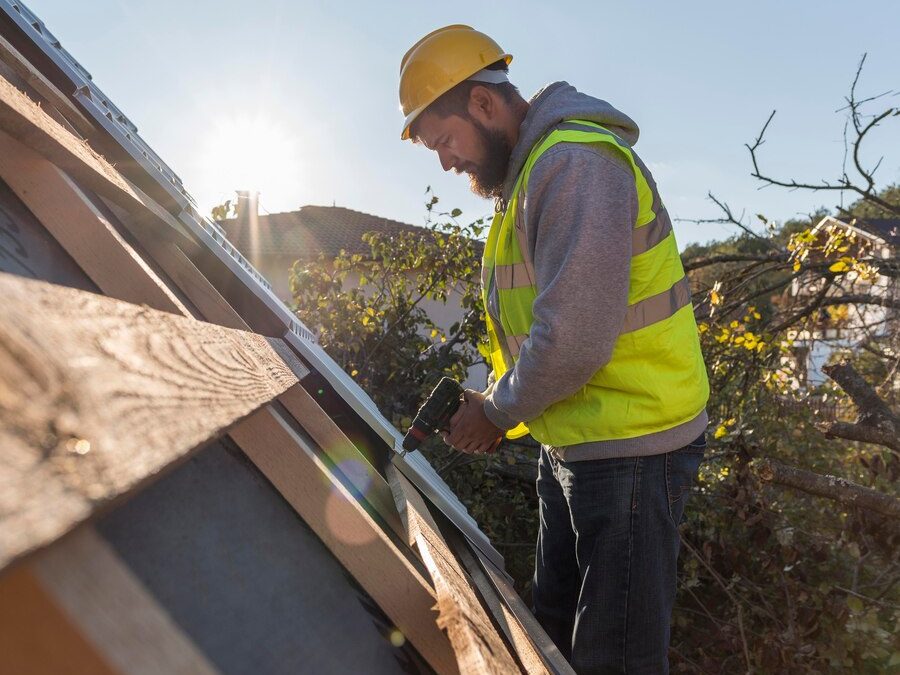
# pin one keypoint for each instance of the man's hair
(456, 101)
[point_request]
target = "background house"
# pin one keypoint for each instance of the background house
(273, 242)
(846, 326)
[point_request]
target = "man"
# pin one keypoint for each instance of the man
(594, 346)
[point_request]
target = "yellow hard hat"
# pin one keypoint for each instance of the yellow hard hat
(438, 62)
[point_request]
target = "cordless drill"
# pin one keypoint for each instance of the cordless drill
(435, 413)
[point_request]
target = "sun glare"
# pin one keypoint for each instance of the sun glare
(253, 151)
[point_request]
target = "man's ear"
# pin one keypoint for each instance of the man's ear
(482, 105)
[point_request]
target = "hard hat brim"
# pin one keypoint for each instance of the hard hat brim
(407, 123)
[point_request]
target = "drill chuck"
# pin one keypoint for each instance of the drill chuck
(435, 413)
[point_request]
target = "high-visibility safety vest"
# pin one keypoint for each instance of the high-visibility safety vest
(656, 378)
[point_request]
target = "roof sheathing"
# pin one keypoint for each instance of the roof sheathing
(150, 173)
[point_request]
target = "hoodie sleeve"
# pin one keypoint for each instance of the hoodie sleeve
(580, 209)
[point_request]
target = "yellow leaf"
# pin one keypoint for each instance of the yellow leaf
(730, 421)
(434, 332)
(839, 266)
(721, 431)
(703, 327)
(354, 373)
(715, 298)
(796, 265)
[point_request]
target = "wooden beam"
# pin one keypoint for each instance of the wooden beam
(146, 228)
(36, 636)
(365, 550)
(44, 87)
(81, 229)
(531, 658)
(550, 652)
(478, 646)
(23, 119)
(97, 396)
(347, 458)
(111, 607)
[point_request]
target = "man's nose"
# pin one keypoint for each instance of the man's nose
(447, 161)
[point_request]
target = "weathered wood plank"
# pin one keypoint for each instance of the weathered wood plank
(347, 530)
(553, 657)
(81, 229)
(111, 607)
(24, 120)
(97, 396)
(479, 648)
(35, 79)
(36, 635)
(530, 656)
(145, 227)
(346, 457)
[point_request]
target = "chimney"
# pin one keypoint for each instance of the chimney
(247, 207)
(247, 215)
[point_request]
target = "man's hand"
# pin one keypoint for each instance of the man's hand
(470, 429)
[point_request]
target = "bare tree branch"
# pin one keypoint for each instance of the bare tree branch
(837, 489)
(868, 192)
(697, 263)
(876, 422)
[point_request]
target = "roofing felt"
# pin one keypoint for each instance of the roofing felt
(312, 230)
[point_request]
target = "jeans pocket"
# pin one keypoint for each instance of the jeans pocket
(682, 466)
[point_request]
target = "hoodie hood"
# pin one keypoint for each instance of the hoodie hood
(554, 104)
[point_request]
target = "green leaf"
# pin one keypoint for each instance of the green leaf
(855, 603)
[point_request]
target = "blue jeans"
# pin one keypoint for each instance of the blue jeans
(607, 550)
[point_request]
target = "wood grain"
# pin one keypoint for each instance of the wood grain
(479, 647)
(24, 120)
(111, 607)
(31, 76)
(97, 396)
(59, 204)
(552, 656)
(349, 532)
(531, 658)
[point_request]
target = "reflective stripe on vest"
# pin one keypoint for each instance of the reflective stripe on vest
(639, 315)
(619, 401)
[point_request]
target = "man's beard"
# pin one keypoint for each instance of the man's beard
(486, 180)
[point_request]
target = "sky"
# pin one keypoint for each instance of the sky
(298, 99)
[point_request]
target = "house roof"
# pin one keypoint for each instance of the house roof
(312, 230)
(884, 228)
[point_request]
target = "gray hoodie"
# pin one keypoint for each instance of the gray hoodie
(579, 210)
